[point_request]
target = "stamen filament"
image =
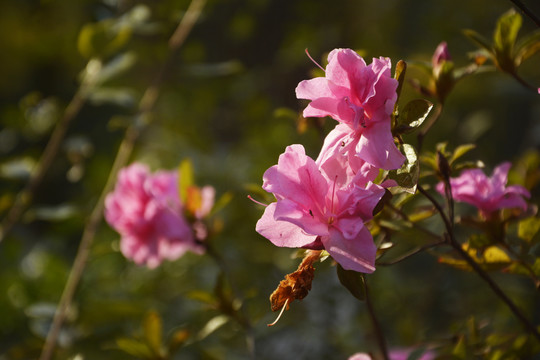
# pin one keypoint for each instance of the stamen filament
(256, 202)
(316, 63)
(280, 313)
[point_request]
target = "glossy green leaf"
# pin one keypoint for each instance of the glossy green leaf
(353, 281)
(185, 178)
(399, 75)
(407, 176)
(413, 115)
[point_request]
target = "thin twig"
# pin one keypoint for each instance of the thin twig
(431, 121)
(526, 11)
(414, 251)
(478, 269)
(376, 325)
(25, 196)
(146, 104)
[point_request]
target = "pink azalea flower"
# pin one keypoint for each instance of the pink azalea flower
(145, 209)
(488, 194)
(320, 209)
(361, 98)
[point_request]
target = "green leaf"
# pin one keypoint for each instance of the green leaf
(202, 296)
(102, 39)
(223, 201)
(399, 75)
(212, 325)
(185, 179)
(353, 281)
(506, 32)
(135, 347)
(528, 228)
(460, 151)
(413, 115)
(478, 39)
(527, 47)
(504, 40)
(153, 331)
(407, 176)
(461, 350)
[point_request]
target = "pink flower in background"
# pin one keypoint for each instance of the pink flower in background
(145, 209)
(361, 97)
(488, 194)
(320, 209)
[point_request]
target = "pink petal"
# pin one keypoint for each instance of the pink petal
(308, 219)
(282, 233)
(377, 147)
(342, 65)
(358, 254)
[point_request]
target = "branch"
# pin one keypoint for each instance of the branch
(376, 325)
(526, 11)
(478, 269)
(25, 196)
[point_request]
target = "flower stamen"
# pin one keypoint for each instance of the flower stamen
(256, 202)
(280, 313)
(316, 63)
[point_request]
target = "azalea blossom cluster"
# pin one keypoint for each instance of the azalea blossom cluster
(146, 210)
(325, 203)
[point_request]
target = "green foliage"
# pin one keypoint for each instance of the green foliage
(413, 115)
(353, 281)
(407, 176)
(504, 49)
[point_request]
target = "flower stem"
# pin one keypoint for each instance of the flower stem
(431, 121)
(376, 325)
(526, 11)
(478, 269)
(146, 104)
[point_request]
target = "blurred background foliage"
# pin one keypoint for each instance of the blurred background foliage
(228, 104)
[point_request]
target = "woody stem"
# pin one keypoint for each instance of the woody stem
(376, 325)
(451, 240)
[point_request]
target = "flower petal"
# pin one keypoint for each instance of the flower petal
(282, 233)
(358, 254)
